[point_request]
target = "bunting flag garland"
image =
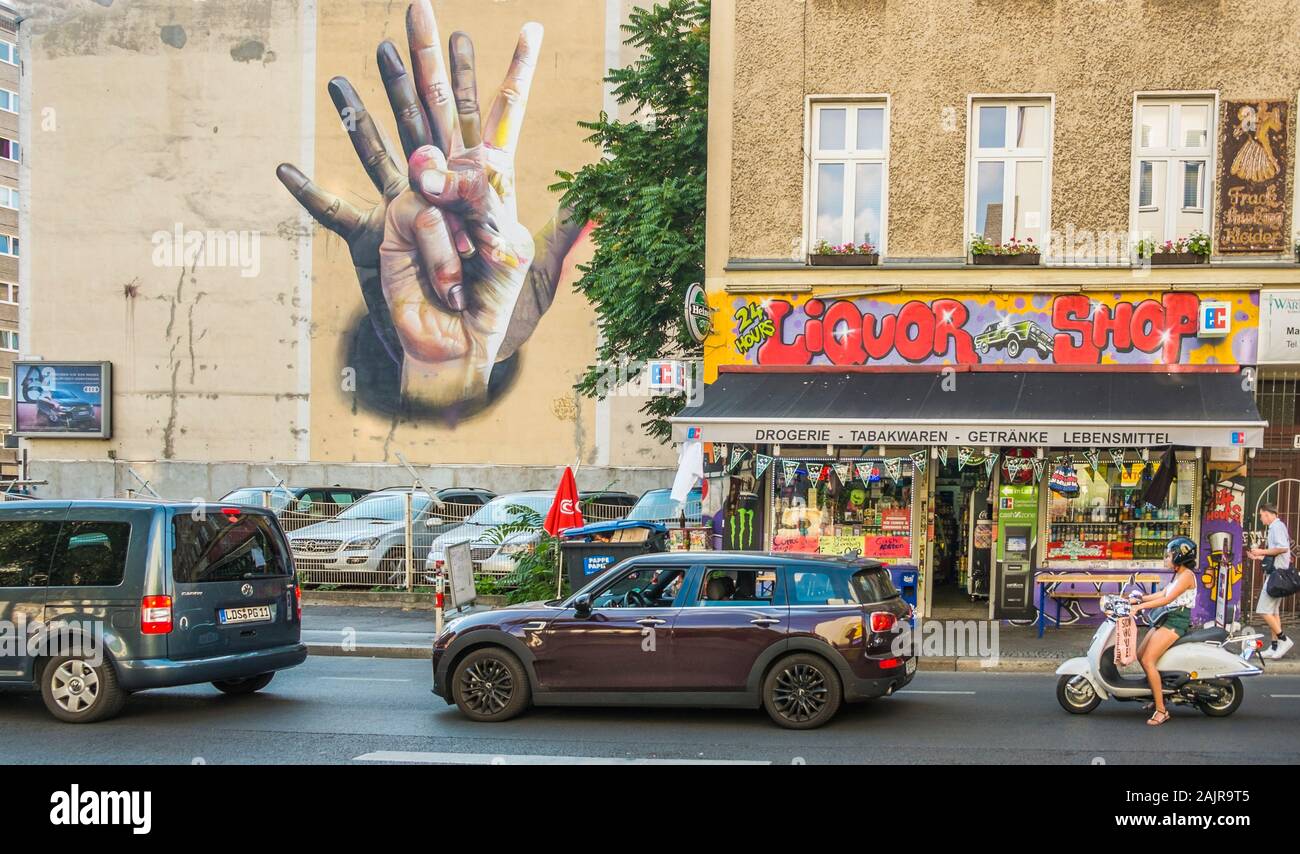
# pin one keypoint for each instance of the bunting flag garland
(1038, 468)
(919, 460)
(1117, 456)
(943, 456)
(964, 457)
(894, 467)
(761, 462)
(990, 462)
(815, 471)
(789, 468)
(737, 454)
(842, 471)
(1093, 457)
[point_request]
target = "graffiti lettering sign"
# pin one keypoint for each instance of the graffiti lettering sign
(1253, 199)
(1066, 330)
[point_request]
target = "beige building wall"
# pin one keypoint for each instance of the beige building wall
(929, 57)
(158, 116)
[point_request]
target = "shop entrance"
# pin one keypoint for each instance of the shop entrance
(961, 550)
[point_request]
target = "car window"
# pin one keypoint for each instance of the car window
(737, 586)
(226, 547)
(644, 587)
(26, 550)
(497, 511)
(874, 585)
(342, 497)
(812, 586)
(90, 554)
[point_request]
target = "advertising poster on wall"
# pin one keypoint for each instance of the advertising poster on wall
(63, 399)
(1252, 177)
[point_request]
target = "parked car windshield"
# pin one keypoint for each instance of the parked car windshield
(497, 511)
(279, 498)
(386, 508)
(659, 506)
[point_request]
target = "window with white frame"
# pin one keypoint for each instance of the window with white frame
(9, 198)
(847, 192)
(8, 52)
(10, 150)
(1172, 158)
(6, 388)
(9, 293)
(8, 100)
(8, 245)
(8, 340)
(1010, 169)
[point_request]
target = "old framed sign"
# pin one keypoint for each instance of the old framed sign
(1253, 200)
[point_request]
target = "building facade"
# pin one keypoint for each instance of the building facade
(10, 156)
(237, 328)
(991, 288)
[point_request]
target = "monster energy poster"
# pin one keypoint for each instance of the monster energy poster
(742, 522)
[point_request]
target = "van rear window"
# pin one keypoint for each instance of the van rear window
(221, 547)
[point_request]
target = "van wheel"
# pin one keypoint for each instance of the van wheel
(490, 685)
(802, 692)
(76, 692)
(244, 686)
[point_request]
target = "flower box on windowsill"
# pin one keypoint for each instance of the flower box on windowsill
(1161, 259)
(1020, 259)
(847, 260)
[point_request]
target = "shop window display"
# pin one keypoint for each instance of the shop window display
(836, 506)
(1096, 516)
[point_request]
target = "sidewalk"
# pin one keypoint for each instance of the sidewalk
(371, 632)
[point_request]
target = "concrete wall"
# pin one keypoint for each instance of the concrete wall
(173, 114)
(930, 56)
(183, 481)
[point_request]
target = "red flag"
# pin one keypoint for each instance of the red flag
(565, 511)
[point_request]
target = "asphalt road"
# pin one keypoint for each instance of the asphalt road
(341, 710)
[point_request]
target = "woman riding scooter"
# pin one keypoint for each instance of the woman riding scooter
(1180, 597)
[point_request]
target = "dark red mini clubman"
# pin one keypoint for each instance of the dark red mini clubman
(797, 634)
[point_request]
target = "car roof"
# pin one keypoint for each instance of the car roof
(717, 559)
(118, 504)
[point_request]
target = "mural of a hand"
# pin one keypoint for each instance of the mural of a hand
(452, 280)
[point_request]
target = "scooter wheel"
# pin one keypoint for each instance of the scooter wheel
(1076, 695)
(1228, 703)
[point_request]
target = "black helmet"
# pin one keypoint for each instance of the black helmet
(1182, 550)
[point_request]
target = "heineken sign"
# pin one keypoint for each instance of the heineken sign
(698, 317)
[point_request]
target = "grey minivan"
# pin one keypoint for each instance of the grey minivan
(105, 598)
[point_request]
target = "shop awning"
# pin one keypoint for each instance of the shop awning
(1095, 408)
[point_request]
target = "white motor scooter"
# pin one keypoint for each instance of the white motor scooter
(1197, 670)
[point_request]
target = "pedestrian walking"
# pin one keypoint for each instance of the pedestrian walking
(1276, 554)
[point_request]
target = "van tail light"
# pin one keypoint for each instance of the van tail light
(156, 615)
(297, 600)
(882, 621)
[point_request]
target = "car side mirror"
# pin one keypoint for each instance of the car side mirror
(432, 522)
(582, 606)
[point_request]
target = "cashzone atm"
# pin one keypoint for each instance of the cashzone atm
(1017, 537)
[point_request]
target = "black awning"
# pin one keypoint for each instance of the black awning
(1050, 408)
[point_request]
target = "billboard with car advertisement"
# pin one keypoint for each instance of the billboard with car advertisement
(63, 399)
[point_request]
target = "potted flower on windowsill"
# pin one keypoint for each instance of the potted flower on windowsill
(1013, 253)
(1193, 249)
(862, 254)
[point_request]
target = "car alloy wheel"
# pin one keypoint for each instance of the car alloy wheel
(800, 693)
(487, 686)
(74, 686)
(1013, 348)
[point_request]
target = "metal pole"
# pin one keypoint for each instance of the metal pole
(409, 534)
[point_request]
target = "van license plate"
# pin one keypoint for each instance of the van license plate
(253, 614)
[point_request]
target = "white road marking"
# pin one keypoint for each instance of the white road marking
(1285, 696)
(911, 691)
(531, 759)
(359, 679)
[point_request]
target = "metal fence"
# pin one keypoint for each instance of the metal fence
(1274, 476)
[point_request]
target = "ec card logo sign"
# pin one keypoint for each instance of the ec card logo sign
(1216, 319)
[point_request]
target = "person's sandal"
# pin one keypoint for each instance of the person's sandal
(1158, 718)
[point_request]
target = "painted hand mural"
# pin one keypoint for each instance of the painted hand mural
(452, 281)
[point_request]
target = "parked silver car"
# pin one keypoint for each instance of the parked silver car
(492, 551)
(366, 543)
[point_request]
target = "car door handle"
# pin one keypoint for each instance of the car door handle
(765, 621)
(650, 621)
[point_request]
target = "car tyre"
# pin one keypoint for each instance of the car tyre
(248, 685)
(490, 685)
(1013, 348)
(76, 692)
(802, 691)
(1225, 706)
(393, 563)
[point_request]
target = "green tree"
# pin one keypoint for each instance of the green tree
(646, 198)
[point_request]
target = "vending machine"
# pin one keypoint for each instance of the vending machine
(1017, 529)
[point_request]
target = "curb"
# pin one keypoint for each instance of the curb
(369, 650)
